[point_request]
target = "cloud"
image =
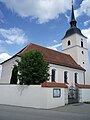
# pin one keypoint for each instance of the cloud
(1, 17)
(54, 47)
(84, 8)
(86, 32)
(68, 17)
(3, 57)
(87, 22)
(55, 41)
(42, 10)
(13, 36)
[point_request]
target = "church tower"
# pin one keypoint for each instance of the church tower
(75, 43)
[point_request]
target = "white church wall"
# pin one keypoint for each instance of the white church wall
(31, 96)
(7, 70)
(8, 66)
(60, 74)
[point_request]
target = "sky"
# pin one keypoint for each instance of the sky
(43, 22)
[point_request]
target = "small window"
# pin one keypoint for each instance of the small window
(69, 43)
(53, 75)
(75, 77)
(83, 63)
(82, 52)
(65, 76)
(81, 42)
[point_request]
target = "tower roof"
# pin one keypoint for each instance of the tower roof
(73, 27)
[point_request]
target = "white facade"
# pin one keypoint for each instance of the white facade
(70, 72)
(78, 53)
(75, 49)
(59, 73)
(7, 68)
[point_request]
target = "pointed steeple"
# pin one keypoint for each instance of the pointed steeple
(73, 22)
(73, 27)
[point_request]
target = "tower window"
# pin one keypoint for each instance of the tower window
(81, 42)
(69, 43)
(65, 76)
(82, 52)
(83, 63)
(53, 75)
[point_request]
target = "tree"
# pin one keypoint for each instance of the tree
(32, 68)
(14, 75)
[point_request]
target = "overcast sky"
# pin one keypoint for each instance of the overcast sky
(43, 22)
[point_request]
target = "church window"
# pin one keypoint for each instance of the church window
(69, 43)
(53, 75)
(75, 77)
(81, 42)
(65, 76)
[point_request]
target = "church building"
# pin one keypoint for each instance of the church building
(68, 68)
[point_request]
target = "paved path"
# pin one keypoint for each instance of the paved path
(75, 108)
(63, 113)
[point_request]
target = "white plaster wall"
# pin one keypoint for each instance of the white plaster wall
(60, 74)
(59, 77)
(75, 50)
(72, 38)
(66, 95)
(78, 40)
(30, 96)
(7, 70)
(85, 95)
(75, 41)
(56, 102)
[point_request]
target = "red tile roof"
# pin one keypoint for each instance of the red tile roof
(83, 86)
(54, 84)
(53, 56)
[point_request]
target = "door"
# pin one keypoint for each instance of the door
(73, 96)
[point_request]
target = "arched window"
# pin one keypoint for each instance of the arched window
(14, 75)
(76, 77)
(81, 42)
(65, 76)
(53, 75)
(69, 43)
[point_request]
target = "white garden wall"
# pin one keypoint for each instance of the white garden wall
(30, 96)
(85, 95)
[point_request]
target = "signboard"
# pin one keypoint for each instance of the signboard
(56, 93)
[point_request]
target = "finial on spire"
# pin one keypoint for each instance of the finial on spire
(73, 21)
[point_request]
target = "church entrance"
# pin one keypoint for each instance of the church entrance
(73, 96)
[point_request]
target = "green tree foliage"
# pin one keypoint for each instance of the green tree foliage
(14, 75)
(32, 68)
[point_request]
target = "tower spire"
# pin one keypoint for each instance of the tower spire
(73, 22)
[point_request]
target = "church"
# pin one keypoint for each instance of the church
(68, 69)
